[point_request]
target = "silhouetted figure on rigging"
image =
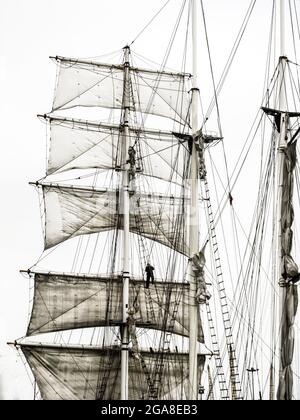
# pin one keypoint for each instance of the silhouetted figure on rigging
(149, 274)
(132, 161)
(132, 169)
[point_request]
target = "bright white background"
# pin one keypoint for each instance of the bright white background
(32, 30)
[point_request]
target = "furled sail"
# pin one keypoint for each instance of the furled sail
(66, 301)
(90, 84)
(290, 275)
(79, 144)
(89, 373)
(72, 211)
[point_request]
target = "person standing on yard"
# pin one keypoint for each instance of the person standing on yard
(149, 274)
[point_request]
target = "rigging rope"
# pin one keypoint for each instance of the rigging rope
(231, 56)
(149, 23)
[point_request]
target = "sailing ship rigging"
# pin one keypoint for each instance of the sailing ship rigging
(132, 188)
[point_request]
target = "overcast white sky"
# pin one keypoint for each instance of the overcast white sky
(32, 30)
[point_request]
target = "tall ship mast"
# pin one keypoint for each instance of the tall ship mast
(120, 299)
(288, 272)
(130, 191)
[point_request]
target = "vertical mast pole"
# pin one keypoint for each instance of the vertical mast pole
(271, 391)
(282, 145)
(125, 200)
(193, 220)
(282, 28)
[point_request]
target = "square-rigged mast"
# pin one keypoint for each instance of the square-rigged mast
(75, 210)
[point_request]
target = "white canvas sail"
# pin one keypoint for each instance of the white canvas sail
(77, 373)
(79, 144)
(65, 301)
(90, 84)
(72, 211)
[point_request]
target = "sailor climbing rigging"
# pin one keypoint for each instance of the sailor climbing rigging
(149, 274)
(131, 160)
(198, 263)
